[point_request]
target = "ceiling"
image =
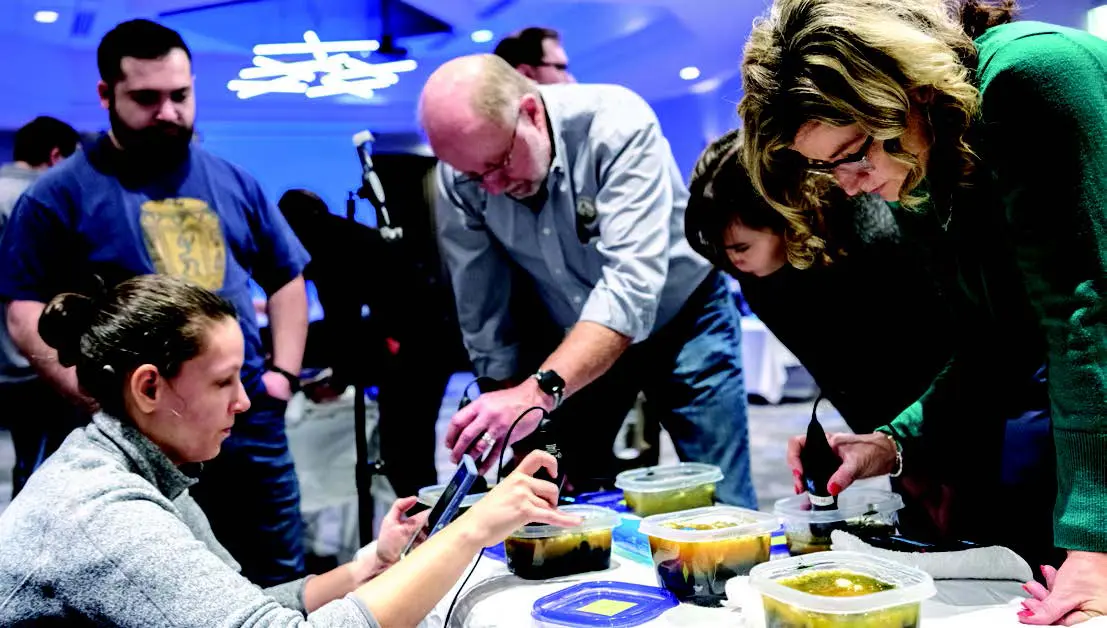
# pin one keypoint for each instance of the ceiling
(641, 44)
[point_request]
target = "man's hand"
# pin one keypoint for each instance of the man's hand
(493, 413)
(22, 320)
(276, 386)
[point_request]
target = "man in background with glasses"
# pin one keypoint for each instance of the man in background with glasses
(577, 186)
(537, 54)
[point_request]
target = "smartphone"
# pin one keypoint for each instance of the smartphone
(449, 503)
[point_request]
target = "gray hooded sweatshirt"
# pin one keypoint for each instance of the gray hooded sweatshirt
(105, 533)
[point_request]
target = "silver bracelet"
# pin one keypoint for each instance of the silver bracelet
(898, 469)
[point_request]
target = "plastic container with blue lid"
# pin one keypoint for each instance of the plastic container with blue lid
(605, 603)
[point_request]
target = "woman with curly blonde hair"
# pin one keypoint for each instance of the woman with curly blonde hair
(996, 131)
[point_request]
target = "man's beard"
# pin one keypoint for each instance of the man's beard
(154, 148)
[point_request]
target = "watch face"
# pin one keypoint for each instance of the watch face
(550, 382)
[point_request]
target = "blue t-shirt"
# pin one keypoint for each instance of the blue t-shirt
(207, 221)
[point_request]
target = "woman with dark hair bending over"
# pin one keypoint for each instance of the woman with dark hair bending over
(105, 533)
(994, 130)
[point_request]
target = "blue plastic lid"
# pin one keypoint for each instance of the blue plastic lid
(605, 603)
(607, 499)
(498, 552)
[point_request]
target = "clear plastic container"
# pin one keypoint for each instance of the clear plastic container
(696, 551)
(669, 488)
(538, 551)
(430, 494)
(861, 511)
(836, 589)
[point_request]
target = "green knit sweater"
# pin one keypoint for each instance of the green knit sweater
(1033, 248)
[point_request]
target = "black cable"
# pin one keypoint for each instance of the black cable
(499, 478)
(815, 407)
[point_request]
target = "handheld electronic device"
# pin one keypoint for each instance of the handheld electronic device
(448, 504)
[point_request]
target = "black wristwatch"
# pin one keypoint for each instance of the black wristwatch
(551, 383)
(293, 380)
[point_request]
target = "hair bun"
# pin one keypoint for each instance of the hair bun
(64, 321)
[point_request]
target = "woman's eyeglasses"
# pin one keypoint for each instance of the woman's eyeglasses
(853, 163)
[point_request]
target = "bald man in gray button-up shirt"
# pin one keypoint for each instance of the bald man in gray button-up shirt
(576, 185)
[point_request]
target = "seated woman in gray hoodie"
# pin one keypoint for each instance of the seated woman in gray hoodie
(105, 533)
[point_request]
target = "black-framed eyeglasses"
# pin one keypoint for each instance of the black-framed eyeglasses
(857, 161)
(502, 164)
(564, 67)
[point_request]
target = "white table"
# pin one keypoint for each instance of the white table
(494, 598)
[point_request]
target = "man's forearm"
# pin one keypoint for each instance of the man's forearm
(288, 322)
(22, 319)
(587, 352)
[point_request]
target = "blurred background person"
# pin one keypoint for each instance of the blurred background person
(536, 53)
(409, 345)
(39, 145)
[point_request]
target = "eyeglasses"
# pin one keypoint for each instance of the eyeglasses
(502, 164)
(564, 67)
(850, 164)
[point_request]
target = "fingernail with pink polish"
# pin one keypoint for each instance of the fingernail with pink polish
(1026, 613)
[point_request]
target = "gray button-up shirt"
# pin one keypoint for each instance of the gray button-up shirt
(608, 246)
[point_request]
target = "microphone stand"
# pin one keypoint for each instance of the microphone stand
(364, 469)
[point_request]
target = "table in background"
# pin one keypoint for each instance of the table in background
(765, 361)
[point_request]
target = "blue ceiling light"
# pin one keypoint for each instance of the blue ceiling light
(690, 73)
(328, 70)
(482, 36)
(46, 17)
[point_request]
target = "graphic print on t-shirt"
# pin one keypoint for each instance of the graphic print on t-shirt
(184, 239)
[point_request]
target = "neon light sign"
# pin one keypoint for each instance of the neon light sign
(331, 71)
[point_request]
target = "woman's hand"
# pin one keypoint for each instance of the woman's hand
(863, 456)
(518, 500)
(1073, 594)
(397, 529)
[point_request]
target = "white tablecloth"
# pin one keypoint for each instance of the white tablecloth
(493, 598)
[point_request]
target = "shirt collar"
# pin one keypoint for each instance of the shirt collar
(551, 103)
(146, 458)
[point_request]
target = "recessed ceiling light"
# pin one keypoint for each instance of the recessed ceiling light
(690, 73)
(482, 36)
(46, 17)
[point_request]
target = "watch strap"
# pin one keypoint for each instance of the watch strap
(293, 380)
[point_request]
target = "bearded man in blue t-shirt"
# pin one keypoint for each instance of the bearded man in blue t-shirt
(143, 199)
